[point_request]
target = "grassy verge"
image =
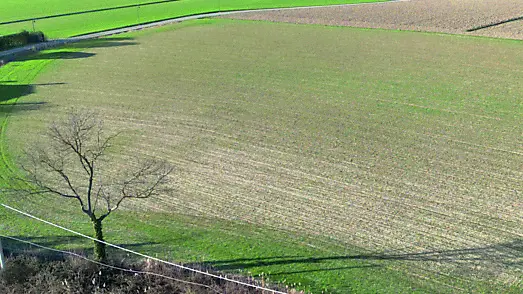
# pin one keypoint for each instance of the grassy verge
(232, 247)
(81, 24)
(15, 82)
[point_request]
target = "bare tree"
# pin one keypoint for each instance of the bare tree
(74, 165)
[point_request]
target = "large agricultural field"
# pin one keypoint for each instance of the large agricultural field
(328, 158)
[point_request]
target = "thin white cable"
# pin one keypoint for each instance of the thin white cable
(143, 255)
(107, 265)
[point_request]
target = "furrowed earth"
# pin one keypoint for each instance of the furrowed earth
(396, 154)
(401, 144)
(504, 18)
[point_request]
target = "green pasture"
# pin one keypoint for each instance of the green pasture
(230, 247)
(330, 158)
(80, 24)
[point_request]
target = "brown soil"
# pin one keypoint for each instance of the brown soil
(446, 16)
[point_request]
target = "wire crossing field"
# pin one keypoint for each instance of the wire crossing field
(80, 24)
(404, 145)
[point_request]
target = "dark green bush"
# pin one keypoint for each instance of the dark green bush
(20, 39)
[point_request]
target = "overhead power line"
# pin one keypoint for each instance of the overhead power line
(224, 278)
(107, 265)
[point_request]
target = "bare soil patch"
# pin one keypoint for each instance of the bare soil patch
(446, 16)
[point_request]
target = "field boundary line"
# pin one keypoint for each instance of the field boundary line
(168, 1)
(143, 255)
(86, 11)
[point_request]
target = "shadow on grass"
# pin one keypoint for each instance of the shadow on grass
(73, 53)
(10, 91)
(324, 269)
(506, 254)
(104, 43)
(14, 247)
(57, 55)
(21, 107)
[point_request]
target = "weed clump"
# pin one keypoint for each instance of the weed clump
(24, 274)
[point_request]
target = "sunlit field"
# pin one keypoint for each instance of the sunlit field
(395, 156)
(66, 26)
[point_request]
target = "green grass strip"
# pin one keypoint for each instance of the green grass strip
(67, 26)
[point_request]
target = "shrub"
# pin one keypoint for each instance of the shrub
(73, 275)
(20, 39)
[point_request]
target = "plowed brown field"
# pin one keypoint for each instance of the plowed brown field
(446, 16)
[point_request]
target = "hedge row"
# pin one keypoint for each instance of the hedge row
(21, 39)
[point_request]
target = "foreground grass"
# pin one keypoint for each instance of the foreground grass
(340, 158)
(233, 247)
(81, 24)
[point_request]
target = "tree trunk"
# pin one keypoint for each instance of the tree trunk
(99, 248)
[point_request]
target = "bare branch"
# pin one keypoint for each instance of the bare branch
(147, 181)
(41, 188)
(45, 160)
(70, 168)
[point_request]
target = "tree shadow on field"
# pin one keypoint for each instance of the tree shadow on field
(57, 55)
(21, 107)
(73, 53)
(10, 91)
(505, 254)
(13, 247)
(104, 43)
